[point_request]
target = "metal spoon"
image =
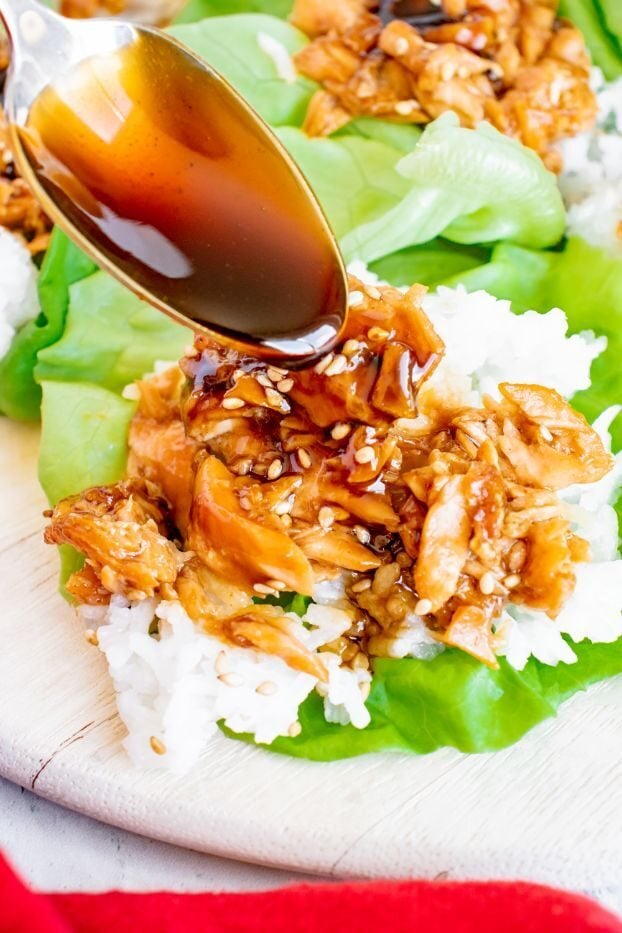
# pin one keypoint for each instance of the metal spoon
(202, 213)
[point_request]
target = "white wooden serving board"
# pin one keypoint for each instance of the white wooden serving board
(549, 809)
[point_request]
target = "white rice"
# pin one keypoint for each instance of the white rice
(18, 288)
(280, 57)
(591, 181)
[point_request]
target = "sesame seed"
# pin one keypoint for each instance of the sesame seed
(361, 585)
(274, 398)
(267, 689)
(285, 385)
(303, 458)
(243, 467)
(263, 380)
(157, 745)
(447, 71)
(350, 347)
(365, 454)
(400, 46)
(326, 517)
(220, 662)
(545, 433)
(276, 374)
(231, 679)
(275, 469)
(365, 687)
(423, 607)
(263, 589)
(294, 730)
(131, 392)
(356, 298)
(405, 107)
(286, 520)
(511, 581)
(373, 292)
(284, 507)
(377, 333)
(323, 363)
(232, 402)
(91, 636)
(336, 366)
(487, 583)
(340, 431)
(277, 585)
(363, 534)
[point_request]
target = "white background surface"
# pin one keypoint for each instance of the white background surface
(55, 849)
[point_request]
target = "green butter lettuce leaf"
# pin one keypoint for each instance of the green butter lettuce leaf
(586, 283)
(429, 264)
(231, 45)
(453, 700)
(400, 136)
(64, 263)
(111, 337)
(589, 17)
(473, 186)
(354, 177)
(83, 443)
(197, 10)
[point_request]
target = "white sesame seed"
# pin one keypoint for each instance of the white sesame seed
(303, 458)
(243, 467)
(512, 581)
(286, 520)
(487, 583)
(373, 292)
(131, 392)
(274, 398)
(356, 298)
(361, 585)
(231, 679)
(263, 380)
(447, 71)
(365, 454)
(284, 507)
(91, 636)
(350, 347)
(377, 333)
(157, 745)
(277, 585)
(423, 607)
(232, 402)
(323, 363)
(336, 366)
(326, 517)
(285, 385)
(276, 374)
(400, 46)
(545, 433)
(363, 534)
(294, 730)
(340, 431)
(267, 689)
(275, 469)
(264, 590)
(405, 107)
(220, 662)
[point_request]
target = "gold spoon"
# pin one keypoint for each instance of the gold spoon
(157, 168)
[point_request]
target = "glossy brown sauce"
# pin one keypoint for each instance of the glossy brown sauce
(156, 161)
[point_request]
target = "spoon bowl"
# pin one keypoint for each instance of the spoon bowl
(157, 168)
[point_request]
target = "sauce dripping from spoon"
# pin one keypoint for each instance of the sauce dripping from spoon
(156, 162)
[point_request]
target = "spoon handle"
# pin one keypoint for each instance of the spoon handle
(26, 22)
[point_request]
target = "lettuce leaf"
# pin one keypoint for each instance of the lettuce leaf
(589, 17)
(586, 283)
(453, 700)
(429, 264)
(230, 44)
(64, 263)
(111, 337)
(197, 10)
(473, 186)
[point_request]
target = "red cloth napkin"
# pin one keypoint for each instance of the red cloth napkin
(414, 906)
